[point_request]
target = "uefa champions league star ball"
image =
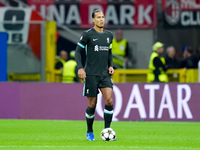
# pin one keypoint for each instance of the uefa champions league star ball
(108, 134)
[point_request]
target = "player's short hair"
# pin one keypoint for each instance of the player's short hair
(95, 11)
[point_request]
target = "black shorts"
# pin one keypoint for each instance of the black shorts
(92, 83)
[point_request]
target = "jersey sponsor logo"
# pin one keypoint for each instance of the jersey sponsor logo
(101, 48)
(95, 39)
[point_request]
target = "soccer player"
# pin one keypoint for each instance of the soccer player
(97, 42)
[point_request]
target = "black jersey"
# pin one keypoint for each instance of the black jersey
(98, 51)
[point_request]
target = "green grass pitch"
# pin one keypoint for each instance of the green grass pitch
(64, 135)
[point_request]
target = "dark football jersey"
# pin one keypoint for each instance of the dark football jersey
(98, 51)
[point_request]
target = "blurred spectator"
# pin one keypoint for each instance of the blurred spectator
(191, 60)
(184, 51)
(69, 74)
(198, 52)
(63, 56)
(157, 69)
(120, 50)
(171, 62)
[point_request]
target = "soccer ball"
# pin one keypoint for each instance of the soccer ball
(108, 134)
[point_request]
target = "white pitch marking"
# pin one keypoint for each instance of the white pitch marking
(129, 147)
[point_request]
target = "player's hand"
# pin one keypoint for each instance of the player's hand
(81, 74)
(111, 70)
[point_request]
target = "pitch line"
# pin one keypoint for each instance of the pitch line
(129, 147)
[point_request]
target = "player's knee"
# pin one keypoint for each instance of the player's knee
(92, 101)
(109, 101)
(92, 105)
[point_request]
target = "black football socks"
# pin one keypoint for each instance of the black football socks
(108, 114)
(89, 118)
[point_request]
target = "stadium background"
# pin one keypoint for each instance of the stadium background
(36, 35)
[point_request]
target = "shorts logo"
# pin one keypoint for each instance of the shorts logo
(87, 91)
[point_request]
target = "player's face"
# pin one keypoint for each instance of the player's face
(99, 19)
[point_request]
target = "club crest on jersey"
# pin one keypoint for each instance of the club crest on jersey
(96, 48)
(108, 41)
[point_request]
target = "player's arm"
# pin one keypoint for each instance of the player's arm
(78, 58)
(110, 56)
(110, 61)
(80, 47)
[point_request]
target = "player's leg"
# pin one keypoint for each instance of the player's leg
(108, 111)
(90, 113)
(90, 117)
(90, 90)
